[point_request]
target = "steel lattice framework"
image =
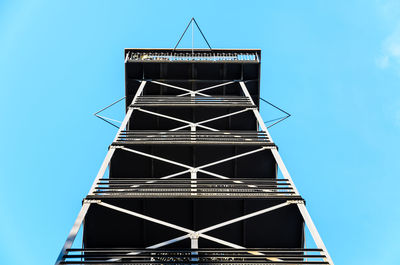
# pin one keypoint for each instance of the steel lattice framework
(193, 157)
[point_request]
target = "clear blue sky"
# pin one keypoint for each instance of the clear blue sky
(334, 65)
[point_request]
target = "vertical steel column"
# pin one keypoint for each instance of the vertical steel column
(255, 111)
(74, 231)
(82, 213)
(314, 232)
(194, 240)
(193, 172)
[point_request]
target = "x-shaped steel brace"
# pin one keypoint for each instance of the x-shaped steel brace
(192, 92)
(189, 123)
(199, 233)
(190, 168)
(194, 170)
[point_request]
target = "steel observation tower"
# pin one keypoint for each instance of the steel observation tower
(191, 176)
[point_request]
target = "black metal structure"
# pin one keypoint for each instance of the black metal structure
(193, 171)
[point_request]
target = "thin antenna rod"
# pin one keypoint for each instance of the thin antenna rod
(197, 25)
(183, 33)
(192, 41)
(266, 101)
(202, 33)
(279, 119)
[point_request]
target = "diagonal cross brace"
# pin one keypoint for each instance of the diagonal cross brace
(192, 233)
(190, 92)
(145, 217)
(200, 168)
(189, 231)
(206, 88)
(189, 123)
(212, 119)
(194, 170)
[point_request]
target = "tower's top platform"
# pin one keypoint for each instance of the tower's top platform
(192, 69)
(192, 55)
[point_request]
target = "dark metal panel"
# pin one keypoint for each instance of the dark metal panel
(108, 228)
(256, 165)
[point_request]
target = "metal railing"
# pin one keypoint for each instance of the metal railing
(139, 137)
(283, 256)
(189, 56)
(200, 187)
(214, 101)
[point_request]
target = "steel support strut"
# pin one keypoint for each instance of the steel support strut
(314, 232)
(82, 213)
(74, 231)
(302, 208)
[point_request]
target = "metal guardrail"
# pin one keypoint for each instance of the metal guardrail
(173, 101)
(190, 57)
(257, 256)
(200, 187)
(140, 137)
